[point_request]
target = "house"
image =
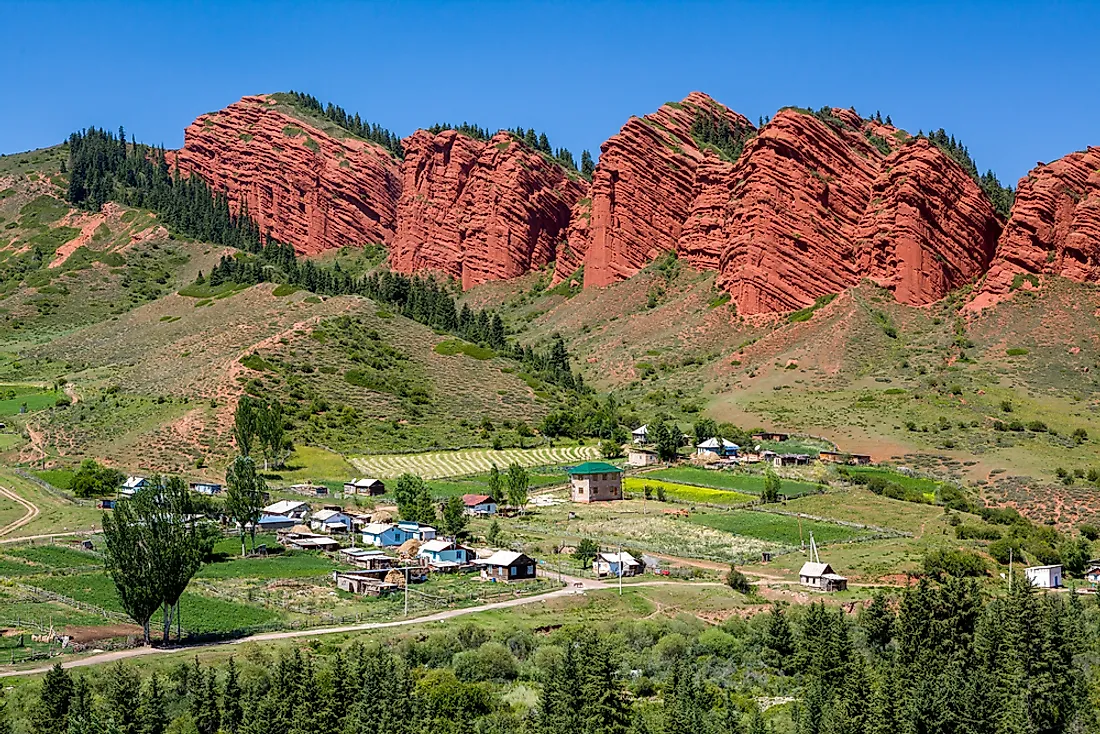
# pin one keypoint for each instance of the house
(769, 436)
(1044, 577)
(479, 505)
(331, 521)
(272, 523)
(384, 535)
(596, 481)
(719, 446)
(640, 435)
(293, 509)
(357, 582)
(1092, 575)
(366, 485)
(507, 566)
(313, 490)
(132, 486)
(207, 488)
(372, 560)
(642, 457)
(616, 564)
(839, 457)
(820, 576)
(417, 531)
(442, 553)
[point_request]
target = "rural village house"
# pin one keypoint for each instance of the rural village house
(610, 564)
(445, 554)
(330, 521)
(507, 566)
(820, 576)
(293, 509)
(596, 481)
(207, 488)
(640, 435)
(366, 485)
(388, 535)
(132, 486)
(479, 505)
(719, 446)
(637, 456)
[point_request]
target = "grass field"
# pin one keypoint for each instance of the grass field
(773, 528)
(56, 514)
(686, 492)
(439, 464)
(731, 481)
(288, 565)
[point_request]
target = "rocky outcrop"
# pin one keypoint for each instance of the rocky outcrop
(480, 210)
(1053, 229)
(643, 188)
(302, 185)
(928, 228)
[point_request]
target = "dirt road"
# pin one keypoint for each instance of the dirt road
(31, 511)
(109, 657)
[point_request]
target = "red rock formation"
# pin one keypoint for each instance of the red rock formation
(1053, 229)
(478, 210)
(928, 228)
(797, 194)
(300, 184)
(572, 251)
(643, 188)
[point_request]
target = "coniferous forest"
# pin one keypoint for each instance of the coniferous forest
(927, 660)
(104, 167)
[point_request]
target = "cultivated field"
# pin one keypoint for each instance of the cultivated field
(636, 486)
(732, 481)
(439, 464)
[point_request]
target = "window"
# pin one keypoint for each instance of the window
(512, 571)
(530, 570)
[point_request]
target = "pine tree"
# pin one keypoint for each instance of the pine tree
(779, 643)
(232, 713)
(52, 709)
(588, 166)
(122, 691)
(154, 713)
(6, 726)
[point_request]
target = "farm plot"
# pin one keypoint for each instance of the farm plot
(730, 480)
(781, 529)
(685, 492)
(439, 464)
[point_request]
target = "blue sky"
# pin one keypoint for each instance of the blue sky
(1016, 82)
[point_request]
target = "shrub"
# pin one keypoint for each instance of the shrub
(1080, 435)
(1090, 532)
(738, 581)
(953, 562)
(1037, 426)
(976, 532)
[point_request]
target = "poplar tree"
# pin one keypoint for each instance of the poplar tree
(245, 490)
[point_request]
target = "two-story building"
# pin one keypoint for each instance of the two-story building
(595, 481)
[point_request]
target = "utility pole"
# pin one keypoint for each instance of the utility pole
(1010, 568)
(406, 591)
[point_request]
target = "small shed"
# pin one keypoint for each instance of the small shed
(357, 582)
(640, 435)
(207, 488)
(840, 457)
(367, 558)
(1044, 577)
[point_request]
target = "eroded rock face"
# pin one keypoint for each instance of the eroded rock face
(300, 184)
(928, 228)
(1053, 229)
(643, 188)
(480, 211)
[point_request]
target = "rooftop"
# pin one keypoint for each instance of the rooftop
(595, 467)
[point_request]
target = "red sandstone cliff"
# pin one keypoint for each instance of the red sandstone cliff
(479, 210)
(1053, 229)
(928, 228)
(300, 184)
(643, 187)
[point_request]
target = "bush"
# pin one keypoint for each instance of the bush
(1006, 549)
(490, 662)
(976, 532)
(953, 562)
(1090, 532)
(738, 581)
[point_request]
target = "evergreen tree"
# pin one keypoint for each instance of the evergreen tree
(153, 710)
(232, 711)
(877, 621)
(123, 689)
(51, 711)
(588, 166)
(6, 726)
(453, 519)
(779, 642)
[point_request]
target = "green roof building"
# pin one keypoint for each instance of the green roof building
(596, 481)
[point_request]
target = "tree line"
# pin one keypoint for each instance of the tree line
(929, 659)
(729, 139)
(1000, 196)
(352, 123)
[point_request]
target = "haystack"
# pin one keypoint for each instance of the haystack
(705, 458)
(396, 577)
(301, 530)
(409, 548)
(381, 516)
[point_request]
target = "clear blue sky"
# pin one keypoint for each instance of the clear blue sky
(1017, 83)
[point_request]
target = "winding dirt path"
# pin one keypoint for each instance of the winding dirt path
(31, 511)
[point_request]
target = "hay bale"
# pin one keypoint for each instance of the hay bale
(396, 577)
(381, 516)
(409, 548)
